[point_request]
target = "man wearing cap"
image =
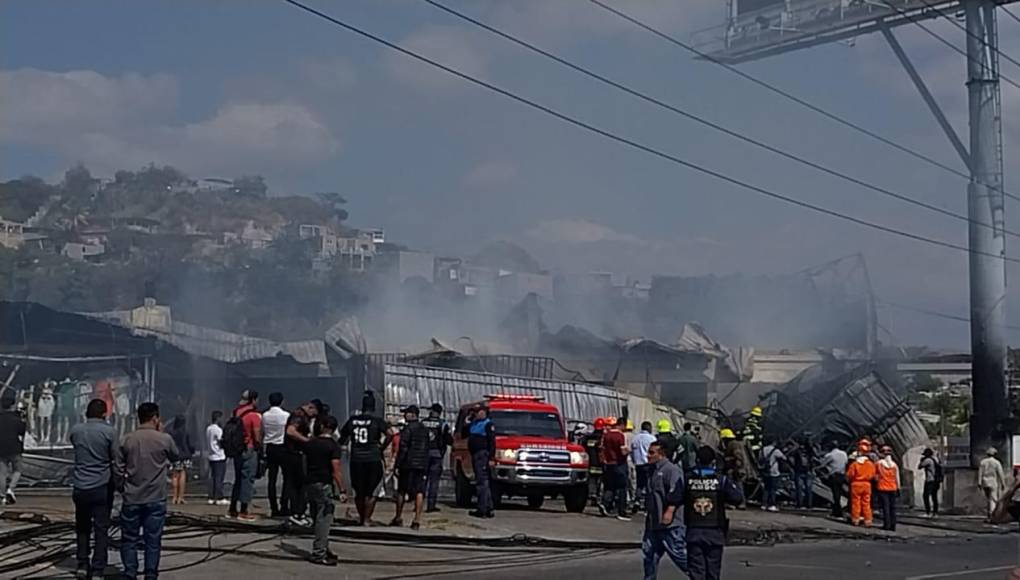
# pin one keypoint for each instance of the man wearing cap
(412, 461)
(481, 438)
(992, 479)
(439, 439)
(246, 465)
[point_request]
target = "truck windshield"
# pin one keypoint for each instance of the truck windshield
(527, 423)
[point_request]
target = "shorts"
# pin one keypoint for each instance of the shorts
(411, 482)
(365, 477)
(181, 465)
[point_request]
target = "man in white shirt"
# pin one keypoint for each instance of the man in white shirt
(639, 455)
(833, 465)
(217, 459)
(274, 428)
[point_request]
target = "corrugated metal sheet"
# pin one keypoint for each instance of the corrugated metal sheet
(846, 407)
(577, 402)
(221, 345)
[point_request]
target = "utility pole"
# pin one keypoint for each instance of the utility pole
(985, 203)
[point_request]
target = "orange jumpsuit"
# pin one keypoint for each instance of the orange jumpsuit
(860, 474)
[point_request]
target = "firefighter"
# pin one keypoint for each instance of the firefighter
(593, 446)
(860, 474)
(734, 454)
(753, 431)
(705, 501)
(439, 439)
(670, 443)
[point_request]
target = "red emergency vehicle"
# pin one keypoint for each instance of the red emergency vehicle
(533, 457)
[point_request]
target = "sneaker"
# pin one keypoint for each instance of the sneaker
(415, 526)
(602, 510)
(9, 497)
(322, 561)
(81, 574)
(764, 507)
(231, 515)
(476, 514)
(223, 502)
(302, 521)
(246, 517)
(490, 515)
(212, 502)
(397, 523)
(433, 510)
(623, 518)
(773, 509)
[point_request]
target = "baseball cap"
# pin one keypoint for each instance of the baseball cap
(411, 409)
(436, 408)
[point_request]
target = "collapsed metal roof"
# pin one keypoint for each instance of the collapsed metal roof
(844, 407)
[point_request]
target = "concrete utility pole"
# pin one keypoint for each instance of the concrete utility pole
(985, 206)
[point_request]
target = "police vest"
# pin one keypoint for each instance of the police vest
(436, 426)
(703, 502)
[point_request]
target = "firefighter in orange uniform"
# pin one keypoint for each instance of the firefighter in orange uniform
(860, 473)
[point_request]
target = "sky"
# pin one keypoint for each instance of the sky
(232, 87)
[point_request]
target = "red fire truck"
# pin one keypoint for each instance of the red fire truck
(534, 459)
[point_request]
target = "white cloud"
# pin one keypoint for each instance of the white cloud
(452, 46)
(491, 173)
(41, 106)
(111, 123)
(578, 231)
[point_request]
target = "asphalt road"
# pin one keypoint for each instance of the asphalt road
(251, 556)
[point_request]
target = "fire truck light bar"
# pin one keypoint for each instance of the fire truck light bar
(515, 397)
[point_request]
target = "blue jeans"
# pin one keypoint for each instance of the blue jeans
(435, 476)
(771, 491)
(245, 466)
(802, 486)
(149, 517)
(320, 500)
(669, 541)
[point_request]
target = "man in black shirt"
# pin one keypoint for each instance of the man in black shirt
(322, 456)
(297, 433)
(412, 461)
(369, 436)
(439, 439)
(12, 445)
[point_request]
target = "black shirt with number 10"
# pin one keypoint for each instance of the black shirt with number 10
(366, 434)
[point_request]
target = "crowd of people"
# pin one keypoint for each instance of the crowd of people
(679, 484)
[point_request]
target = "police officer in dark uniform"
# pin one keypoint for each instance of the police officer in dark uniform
(440, 438)
(705, 515)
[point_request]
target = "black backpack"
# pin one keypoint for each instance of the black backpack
(233, 436)
(940, 476)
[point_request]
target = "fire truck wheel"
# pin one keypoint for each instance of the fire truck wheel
(575, 499)
(535, 501)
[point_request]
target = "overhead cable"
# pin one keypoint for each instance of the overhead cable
(705, 122)
(635, 144)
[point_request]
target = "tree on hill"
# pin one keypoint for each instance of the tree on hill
(253, 186)
(21, 198)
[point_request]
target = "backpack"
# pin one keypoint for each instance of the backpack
(765, 461)
(939, 475)
(233, 436)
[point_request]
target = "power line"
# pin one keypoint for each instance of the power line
(932, 313)
(1011, 15)
(970, 34)
(948, 43)
(677, 110)
(635, 144)
(786, 94)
